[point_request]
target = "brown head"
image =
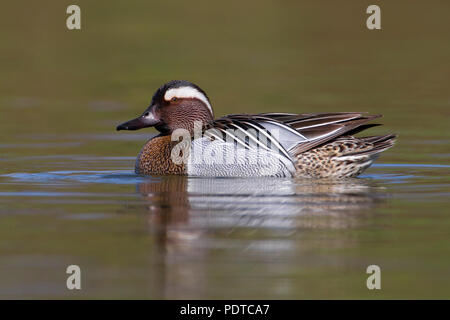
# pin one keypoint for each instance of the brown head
(177, 104)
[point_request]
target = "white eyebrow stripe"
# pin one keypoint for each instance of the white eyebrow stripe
(187, 92)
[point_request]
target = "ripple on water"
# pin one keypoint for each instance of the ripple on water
(112, 177)
(217, 203)
(129, 177)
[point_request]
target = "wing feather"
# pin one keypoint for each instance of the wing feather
(311, 129)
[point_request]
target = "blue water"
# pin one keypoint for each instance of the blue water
(129, 177)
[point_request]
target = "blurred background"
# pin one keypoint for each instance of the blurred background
(68, 194)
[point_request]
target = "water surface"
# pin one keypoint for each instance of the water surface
(180, 237)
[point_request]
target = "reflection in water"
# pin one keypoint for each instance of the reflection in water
(256, 203)
(198, 222)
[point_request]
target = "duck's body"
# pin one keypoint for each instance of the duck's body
(319, 145)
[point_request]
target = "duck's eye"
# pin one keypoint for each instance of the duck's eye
(146, 114)
(174, 99)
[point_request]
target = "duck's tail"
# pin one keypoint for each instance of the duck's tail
(342, 158)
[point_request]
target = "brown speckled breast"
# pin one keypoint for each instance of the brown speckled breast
(155, 158)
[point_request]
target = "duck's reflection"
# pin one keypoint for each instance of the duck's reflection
(199, 203)
(208, 227)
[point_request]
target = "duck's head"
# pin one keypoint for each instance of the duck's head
(176, 104)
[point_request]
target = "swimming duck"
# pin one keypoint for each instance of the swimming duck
(192, 142)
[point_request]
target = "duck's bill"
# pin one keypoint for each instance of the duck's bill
(144, 121)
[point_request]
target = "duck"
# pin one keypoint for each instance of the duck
(192, 142)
